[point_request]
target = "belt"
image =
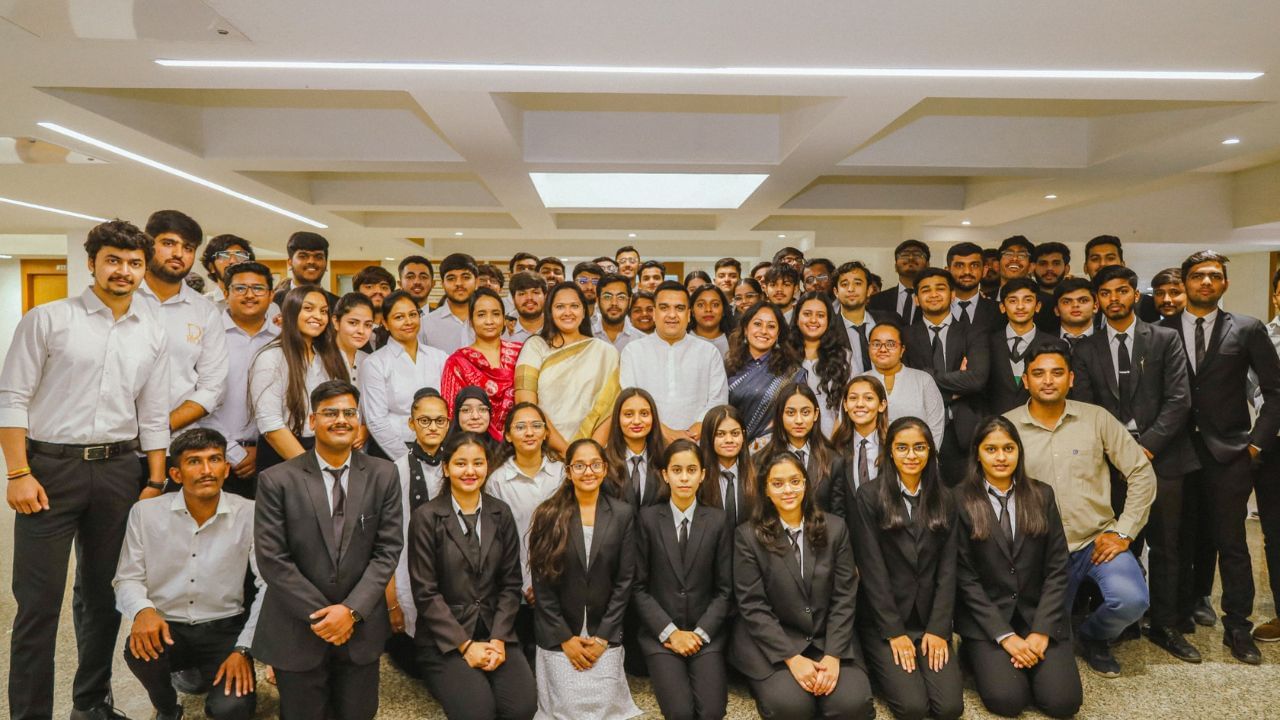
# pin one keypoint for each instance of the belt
(104, 451)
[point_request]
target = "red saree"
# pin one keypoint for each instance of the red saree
(468, 366)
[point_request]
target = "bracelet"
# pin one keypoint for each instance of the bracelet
(466, 647)
(15, 474)
(393, 608)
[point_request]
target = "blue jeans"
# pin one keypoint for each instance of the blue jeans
(1124, 592)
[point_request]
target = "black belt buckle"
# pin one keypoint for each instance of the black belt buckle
(98, 452)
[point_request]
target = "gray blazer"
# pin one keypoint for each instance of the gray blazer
(303, 569)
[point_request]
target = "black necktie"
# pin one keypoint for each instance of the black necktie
(935, 344)
(637, 482)
(862, 345)
(1015, 354)
(964, 311)
(1199, 343)
(683, 538)
(1006, 523)
(908, 308)
(1123, 368)
(864, 469)
(913, 509)
(338, 502)
(730, 498)
(803, 460)
(1072, 339)
(473, 537)
(794, 537)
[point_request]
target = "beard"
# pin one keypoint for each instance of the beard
(163, 272)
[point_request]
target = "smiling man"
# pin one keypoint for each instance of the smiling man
(684, 374)
(308, 262)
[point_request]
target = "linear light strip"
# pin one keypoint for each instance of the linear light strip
(46, 208)
(724, 71)
(178, 173)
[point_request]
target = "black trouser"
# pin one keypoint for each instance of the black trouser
(780, 697)
(203, 647)
(689, 687)
(1217, 502)
(336, 689)
(525, 633)
(89, 503)
(915, 695)
(467, 693)
(1052, 685)
(1164, 533)
(1267, 486)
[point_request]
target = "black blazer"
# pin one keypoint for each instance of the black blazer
(1047, 320)
(1220, 388)
(886, 301)
(964, 345)
(1004, 392)
(693, 592)
(998, 583)
(452, 592)
(987, 316)
(603, 590)
(305, 571)
(844, 494)
(652, 481)
(780, 614)
(901, 574)
(1159, 392)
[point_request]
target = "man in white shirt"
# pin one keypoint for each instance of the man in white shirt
(221, 253)
(85, 383)
(529, 297)
(448, 327)
(181, 579)
(614, 301)
(684, 374)
(247, 330)
(197, 343)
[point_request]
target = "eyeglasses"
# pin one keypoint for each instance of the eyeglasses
(232, 255)
(526, 426)
(883, 344)
(815, 279)
(588, 282)
(610, 297)
(905, 449)
(910, 255)
(595, 467)
(335, 413)
(425, 422)
(474, 412)
(242, 289)
(747, 297)
(1016, 255)
(794, 483)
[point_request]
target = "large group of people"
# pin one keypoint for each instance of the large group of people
(797, 479)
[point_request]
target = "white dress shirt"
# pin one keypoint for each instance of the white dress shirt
(686, 378)
(995, 505)
(457, 515)
(679, 517)
(640, 462)
(189, 573)
(628, 335)
(520, 334)
(523, 494)
(443, 330)
(724, 486)
(1114, 345)
(1087, 332)
(76, 375)
(1017, 366)
(721, 342)
(1189, 334)
(197, 347)
(971, 312)
(873, 454)
(325, 467)
(915, 394)
(943, 329)
(388, 380)
(857, 363)
(904, 492)
(268, 380)
(799, 533)
(233, 417)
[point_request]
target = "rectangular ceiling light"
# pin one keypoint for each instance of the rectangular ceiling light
(853, 72)
(686, 191)
(178, 173)
(46, 208)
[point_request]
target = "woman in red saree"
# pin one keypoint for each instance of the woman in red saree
(488, 363)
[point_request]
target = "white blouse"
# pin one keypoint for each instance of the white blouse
(268, 381)
(388, 380)
(915, 394)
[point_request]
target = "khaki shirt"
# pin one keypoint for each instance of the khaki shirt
(1072, 457)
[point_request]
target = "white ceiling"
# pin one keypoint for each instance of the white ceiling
(393, 159)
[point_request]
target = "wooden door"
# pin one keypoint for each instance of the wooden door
(43, 281)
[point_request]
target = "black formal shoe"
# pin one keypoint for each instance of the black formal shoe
(175, 715)
(101, 711)
(189, 682)
(1097, 654)
(1242, 646)
(1203, 613)
(1186, 626)
(1173, 642)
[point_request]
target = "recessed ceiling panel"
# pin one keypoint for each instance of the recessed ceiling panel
(692, 191)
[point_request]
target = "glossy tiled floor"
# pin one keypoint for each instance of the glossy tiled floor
(1154, 685)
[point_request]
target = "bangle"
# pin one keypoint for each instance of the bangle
(466, 647)
(15, 474)
(393, 608)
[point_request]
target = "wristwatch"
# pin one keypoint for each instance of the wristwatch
(355, 616)
(242, 650)
(155, 485)
(1121, 535)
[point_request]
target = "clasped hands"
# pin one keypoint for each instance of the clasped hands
(815, 676)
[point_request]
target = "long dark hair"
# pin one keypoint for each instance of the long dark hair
(549, 529)
(615, 448)
(764, 516)
(933, 508)
(457, 441)
(294, 348)
(782, 357)
(507, 450)
(832, 367)
(549, 332)
(668, 453)
(726, 314)
(820, 452)
(843, 437)
(973, 490)
(711, 462)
